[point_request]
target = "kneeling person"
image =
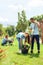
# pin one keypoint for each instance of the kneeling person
(5, 40)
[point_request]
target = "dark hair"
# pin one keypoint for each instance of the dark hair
(6, 36)
(32, 19)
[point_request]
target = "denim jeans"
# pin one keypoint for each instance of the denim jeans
(20, 43)
(36, 37)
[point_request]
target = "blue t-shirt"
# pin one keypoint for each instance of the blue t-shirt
(20, 35)
(4, 41)
(35, 29)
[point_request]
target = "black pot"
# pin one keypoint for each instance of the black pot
(25, 49)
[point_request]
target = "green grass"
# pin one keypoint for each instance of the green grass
(12, 58)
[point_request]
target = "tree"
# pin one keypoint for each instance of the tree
(22, 21)
(10, 30)
(1, 29)
(38, 18)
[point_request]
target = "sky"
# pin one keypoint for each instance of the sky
(9, 10)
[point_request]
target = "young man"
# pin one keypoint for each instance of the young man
(34, 27)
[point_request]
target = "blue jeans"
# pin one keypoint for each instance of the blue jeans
(19, 43)
(37, 40)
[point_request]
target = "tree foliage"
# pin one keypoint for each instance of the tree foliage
(10, 30)
(22, 21)
(1, 29)
(38, 18)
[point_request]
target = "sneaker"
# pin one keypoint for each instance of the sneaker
(38, 51)
(31, 51)
(19, 51)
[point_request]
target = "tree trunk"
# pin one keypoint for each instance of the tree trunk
(42, 32)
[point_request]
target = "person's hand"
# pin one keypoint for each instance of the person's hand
(35, 21)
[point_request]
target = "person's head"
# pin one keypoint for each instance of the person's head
(6, 36)
(32, 20)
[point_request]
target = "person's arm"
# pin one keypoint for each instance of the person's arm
(37, 23)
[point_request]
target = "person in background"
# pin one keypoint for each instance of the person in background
(5, 40)
(34, 27)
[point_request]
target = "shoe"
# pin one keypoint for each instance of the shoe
(38, 51)
(20, 51)
(31, 51)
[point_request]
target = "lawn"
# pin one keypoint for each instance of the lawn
(11, 57)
